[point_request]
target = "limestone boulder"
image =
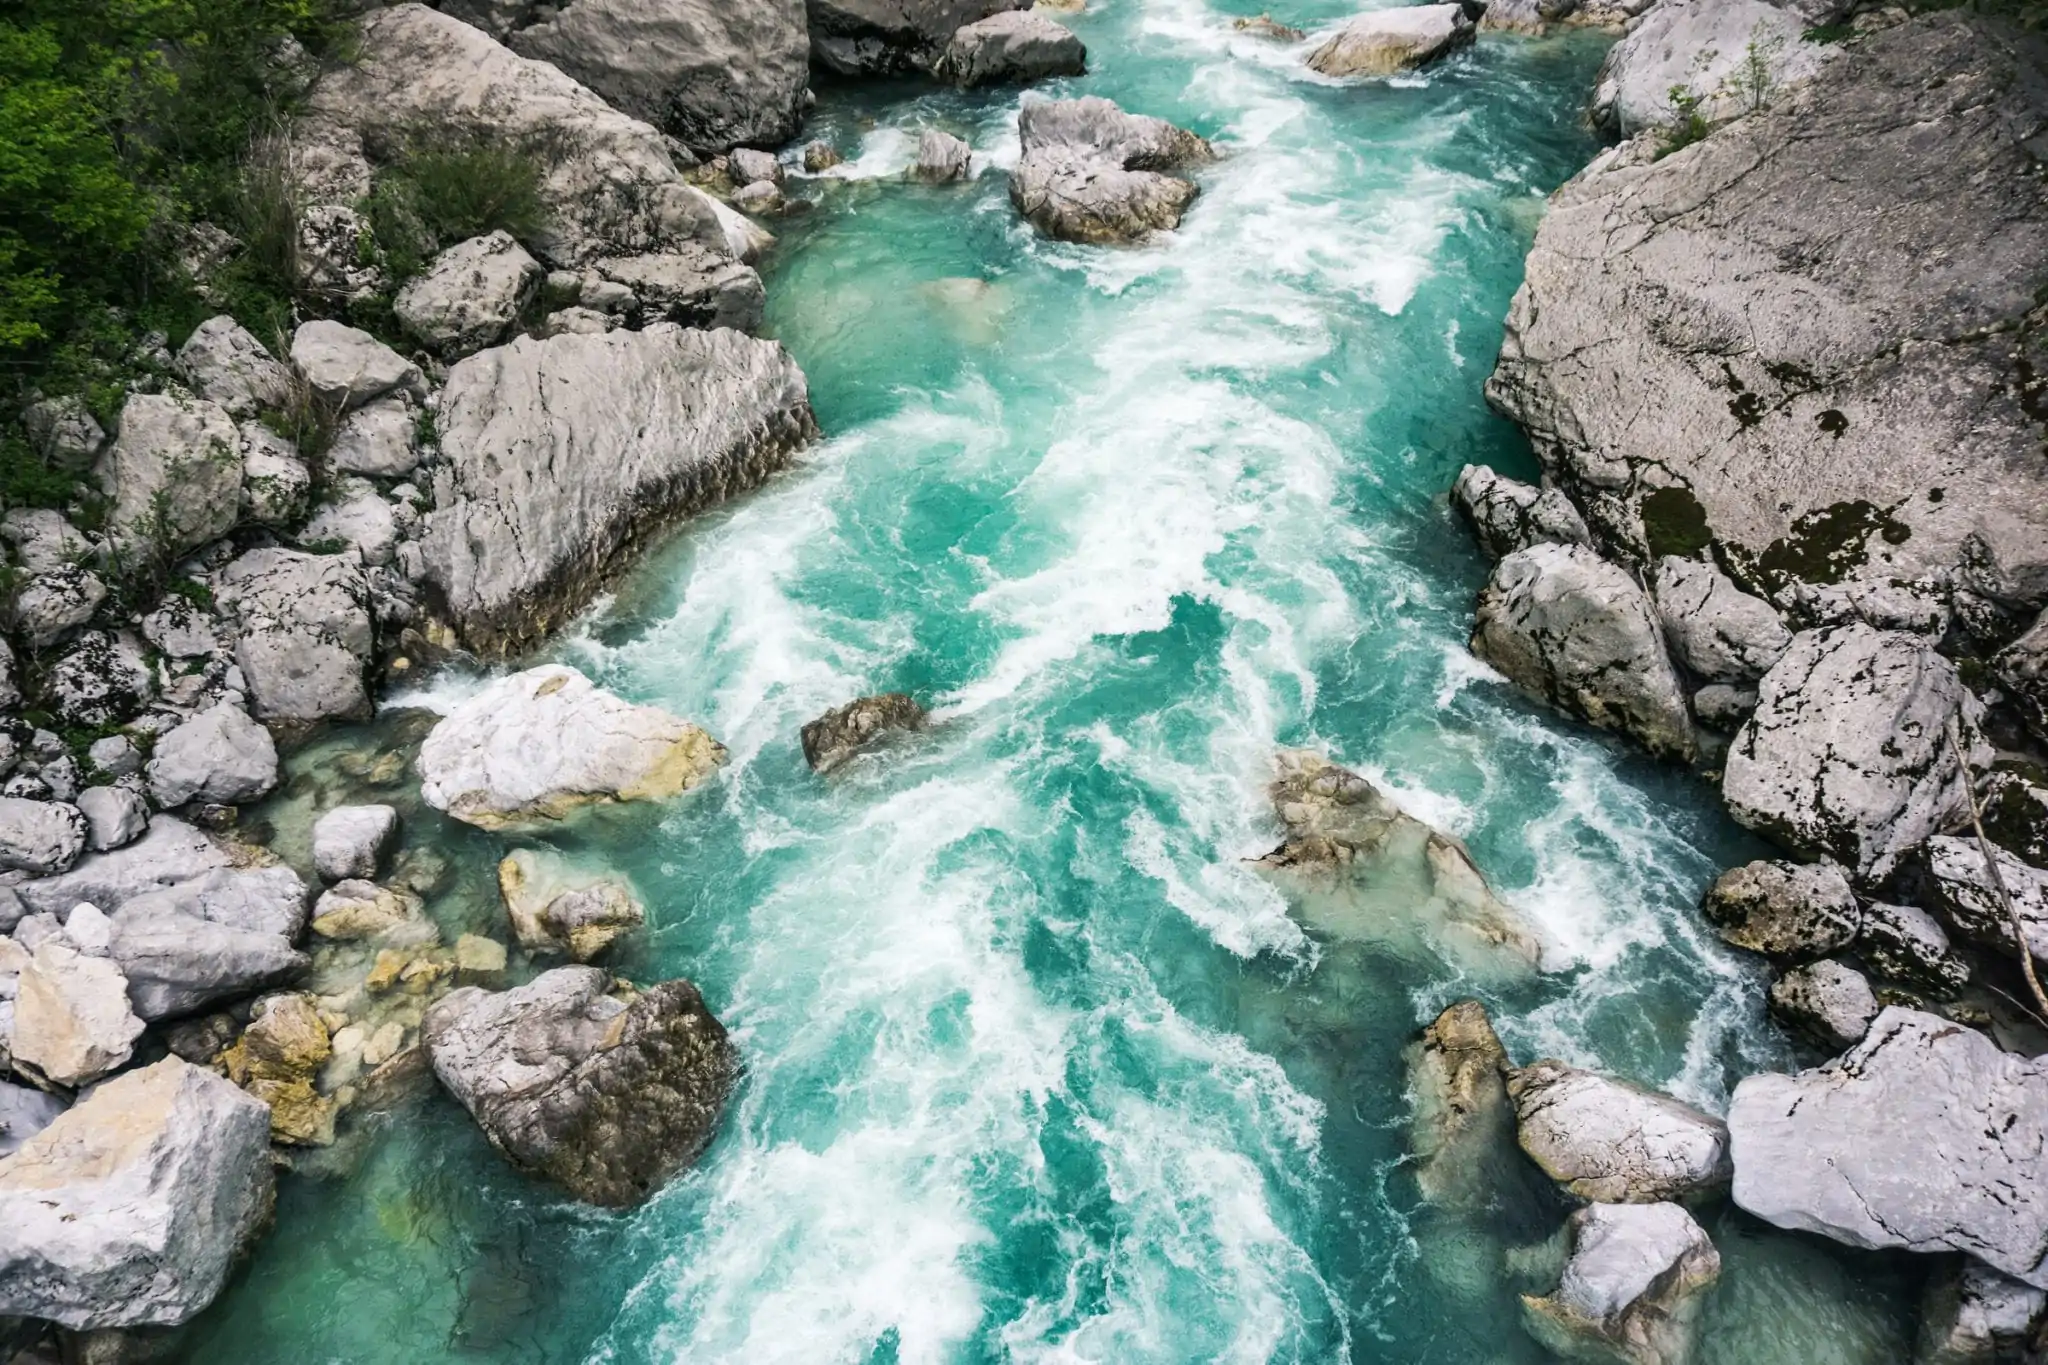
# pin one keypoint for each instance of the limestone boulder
(471, 295)
(941, 158)
(347, 367)
(54, 603)
(378, 440)
(891, 37)
(1717, 630)
(1702, 49)
(40, 837)
(2022, 669)
(227, 365)
(1011, 48)
(1507, 515)
(24, 1112)
(360, 521)
(352, 841)
(839, 734)
(690, 285)
(304, 633)
(169, 853)
(72, 1023)
(1463, 1123)
(114, 817)
(1791, 911)
(1904, 943)
(1525, 16)
(558, 907)
(214, 937)
(1382, 42)
(1972, 1315)
(63, 431)
(1091, 173)
(276, 484)
(1613, 1143)
(43, 541)
(100, 678)
(1949, 875)
(1830, 1003)
(1633, 1288)
(219, 756)
(173, 476)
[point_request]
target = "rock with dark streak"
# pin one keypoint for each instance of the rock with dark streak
(839, 734)
(1507, 515)
(1633, 1289)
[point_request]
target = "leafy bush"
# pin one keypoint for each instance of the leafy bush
(436, 195)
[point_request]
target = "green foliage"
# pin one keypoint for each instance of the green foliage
(1753, 82)
(1830, 33)
(26, 481)
(437, 194)
(1687, 124)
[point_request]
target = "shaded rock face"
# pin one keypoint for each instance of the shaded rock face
(1792, 911)
(2022, 668)
(1343, 830)
(891, 37)
(1507, 515)
(557, 907)
(1382, 42)
(1972, 1315)
(1844, 1150)
(1742, 343)
(1092, 173)
(216, 936)
(1633, 1288)
(1463, 1122)
(2015, 814)
(129, 1209)
(565, 455)
(23, 1114)
(839, 734)
(1828, 1002)
(170, 853)
(535, 746)
(607, 1097)
(1848, 755)
(1571, 629)
(1950, 877)
(1611, 1143)
(1904, 943)
(1010, 48)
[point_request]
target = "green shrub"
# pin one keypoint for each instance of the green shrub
(436, 195)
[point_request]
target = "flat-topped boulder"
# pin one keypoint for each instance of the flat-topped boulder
(1012, 47)
(347, 367)
(469, 296)
(1089, 172)
(1384, 41)
(170, 852)
(1701, 48)
(351, 841)
(1614, 1143)
(539, 745)
(220, 755)
(564, 456)
(304, 633)
(1926, 1136)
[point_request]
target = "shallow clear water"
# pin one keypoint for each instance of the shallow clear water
(1039, 1068)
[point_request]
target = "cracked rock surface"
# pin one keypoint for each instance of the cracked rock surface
(1508, 515)
(1614, 1143)
(1089, 172)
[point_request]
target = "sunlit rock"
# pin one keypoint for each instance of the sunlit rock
(1633, 1289)
(1614, 1143)
(557, 907)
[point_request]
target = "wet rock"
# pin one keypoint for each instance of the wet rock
(607, 1097)
(228, 366)
(839, 734)
(100, 679)
(820, 157)
(377, 439)
(473, 293)
(1924, 1136)
(1266, 26)
(275, 482)
(2015, 815)
(2022, 668)
(1848, 754)
(40, 837)
(1571, 629)
(1972, 1315)
(43, 541)
(1828, 1002)
(218, 756)
(72, 1023)
(1507, 516)
(305, 633)
(1633, 1289)
(891, 37)
(1382, 42)
(941, 158)
(1949, 876)
(748, 166)
(217, 936)
(1717, 630)
(355, 910)
(1904, 943)
(114, 817)
(23, 1114)
(1524, 16)
(130, 1208)
(350, 841)
(1463, 1120)
(1092, 173)
(1012, 47)
(51, 605)
(761, 197)
(1792, 911)
(276, 1060)
(173, 477)
(347, 367)
(359, 520)
(479, 961)
(1612, 1143)
(1699, 47)
(558, 908)
(172, 852)
(565, 454)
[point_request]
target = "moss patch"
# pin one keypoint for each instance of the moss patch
(1827, 545)
(1674, 523)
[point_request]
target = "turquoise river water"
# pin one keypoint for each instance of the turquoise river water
(1040, 1069)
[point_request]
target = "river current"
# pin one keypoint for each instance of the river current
(1040, 1069)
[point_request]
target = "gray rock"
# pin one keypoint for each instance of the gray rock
(49, 606)
(1507, 516)
(1633, 1288)
(305, 633)
(1612, 1143)
(63, 431)
(761, 197)
(43, 541)
(564, 453)
(359, 519)
(607, 1097)
(536, 746)
(347, 367)
(89, 931)
(114, 817)
(2022, 668)
(357, 911)
(891, 37)
(1717, 630)
(101, 678)
(1700, 47)
(219, 936)
(61, 776)
(218, 757)
(1571, 629)
(228, 366)
(2015, 814)
(474, 292)
(839, 734)
(115, 756)
(378, 439)
(1848, 756)
(1972, 1315)
(578, 321)
(1791, 911)
(130, 1208)
(23, 1114)
(1463, 1121)
(1739, 343)
(1382, 42)
(40, 837)
(10, 689)
(181, 630)
(33, 931)
(941, 158)
(1525, 16)
(821, 156)
(1723, 707)
(558, 907)
(72, 1023)
(275, 482)
(350, 841)
(1904, 943)
(1089, 172)
(173, 476)
(749, 166)
(1012, 47)
(171, 852)
(1924, 1136)
(1949, 876)
(330, 258)
(1828, 1002)
(690, 285)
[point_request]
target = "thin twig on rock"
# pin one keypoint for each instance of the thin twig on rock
(2012, 912)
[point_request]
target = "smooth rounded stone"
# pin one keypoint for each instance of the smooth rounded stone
(839, 734)
(750, 166)
(72, 1023)
(130, 1208)
(1848, 755)
(100, 679)
(43, 540)
(761, 197)
(114, 817)
(217, 936)
(821, 156)
(941, 158)
(471, 295)
(1463, 1123)
(360, 519)
(1091, 173)
(1828, 1002)
(1613, 1143)
(1948, 875)
(563, 455)
(1924, 1136)
(226, 365)
(1507, 515)
(1717, 630)
(40, 837)
(2015, 814)
(24, 1112)
(1633, 1288)
(556, 906)
(1904, 943)
(2022, 669)
(52, 604)
(347, 367)
(89, 931)
(219, 756)
(171, 852)
(173, 476)
(1386, 865)
(305, 633)
(62, 430)
(354, 910)
(377, 439)
(607, 1097)
(1573, 630)
(351, 841)
(1013, 47)
(1699, 47)
(891, 37)
(1972, 1315)
(531, 748)
(690, 285)
(1382, 42)
(1792, 911)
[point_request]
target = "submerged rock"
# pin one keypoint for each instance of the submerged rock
(1828, 1002)
(606, 1096)
(1633, 1288)
(532, 748)
(1613, 1143)
(1972, 1315)
(839, 734)
(1011, 47)
(1091, 173)
(1382, 42)
(276, 1060)
(1507, 516)
(1463, 1121)
(129, 1209)
(557, 907)
(1792, 911)
(1924, 1136)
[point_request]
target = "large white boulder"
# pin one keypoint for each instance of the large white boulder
(227, 365)
(72, 1021)
(1012, 47)
(1612, 1142)
(1089, 172)
(1731, 56)
(218, 936)
(470, 296)
(305, 633)
(218, 756)
(1633, 1288)
(1383, 41)
(173, 476)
